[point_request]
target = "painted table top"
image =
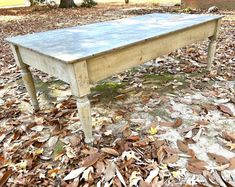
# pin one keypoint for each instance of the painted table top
(80, 42)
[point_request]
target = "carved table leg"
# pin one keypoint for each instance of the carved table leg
(27, 77)
(79, 82)
(29, 84)
(211, 53)
(84, 111)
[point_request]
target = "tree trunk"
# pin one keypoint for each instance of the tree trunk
(67, 4)
(31, 2)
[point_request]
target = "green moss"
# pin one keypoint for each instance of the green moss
(108, 90)
(163, 81)
(161, 112)
(59, 148)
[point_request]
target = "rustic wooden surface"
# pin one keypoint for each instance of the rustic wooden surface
(76, 43)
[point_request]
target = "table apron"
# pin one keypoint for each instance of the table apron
(117, 61)
(46, 64)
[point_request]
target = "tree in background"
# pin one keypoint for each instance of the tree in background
(67, 4)
(88, 3)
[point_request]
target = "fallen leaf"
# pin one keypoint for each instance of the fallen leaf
(144, 184)
(110, 171)
(120, 177)
(110, 151)
(5, 177)
(86, 175)
(209, 177)
(135, 178)
(90, 160)
(232, 163)
(133, 138)
(225, 109)
(52, 141)
(171, 159)
(70, 152)
(160, 154)
(38, 151)
(74, 173)
(230, 145)
(178, 122)
(153, 130)
(230, 136)
(221, 160)
(196, 166)
(184, 148)
(218, 179)
(228, 177)
(152, 175)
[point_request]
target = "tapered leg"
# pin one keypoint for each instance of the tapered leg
(211, 53)
(29, 84)
(27, 77)
(84, 111)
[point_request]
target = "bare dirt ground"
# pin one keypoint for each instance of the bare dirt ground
(165, 123)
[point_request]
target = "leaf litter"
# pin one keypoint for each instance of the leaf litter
(171, 123)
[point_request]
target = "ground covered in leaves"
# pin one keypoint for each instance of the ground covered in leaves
(165, 123)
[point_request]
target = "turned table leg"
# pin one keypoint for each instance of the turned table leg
(27, 78)
(212, 46)
(30, 87)
(79, 82)
(84, 112)
(211, 53)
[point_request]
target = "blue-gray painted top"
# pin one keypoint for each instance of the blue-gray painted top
(81, 42)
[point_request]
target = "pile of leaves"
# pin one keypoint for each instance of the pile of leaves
(171, 123)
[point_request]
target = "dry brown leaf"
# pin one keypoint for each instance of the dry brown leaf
(225, 109)
(209, 177)
(161, 154)
(232, 163)
(110, 151)
(166, 124)
(159, 143)
(90, 160)
(184, 148)
(221, 160)
(5, 177)
(230, 136)
(100, 167)
(144, 184)
(230, 145)
(171, 150)
(196, 166)
(178, 122)
(171, 159)
(133, 138)
(218, 179)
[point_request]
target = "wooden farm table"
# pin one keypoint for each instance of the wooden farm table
(86, 54)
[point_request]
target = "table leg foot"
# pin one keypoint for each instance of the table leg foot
(30, 87)
(211, 53)
(84, 111)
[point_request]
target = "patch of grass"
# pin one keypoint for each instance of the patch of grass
(164, 82)
(4, 3)
(59, 148)
(108, 90)
(161, 112)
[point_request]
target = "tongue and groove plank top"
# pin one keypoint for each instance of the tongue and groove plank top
(81, 42)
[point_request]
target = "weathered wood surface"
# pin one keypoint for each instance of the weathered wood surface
(77, 43)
